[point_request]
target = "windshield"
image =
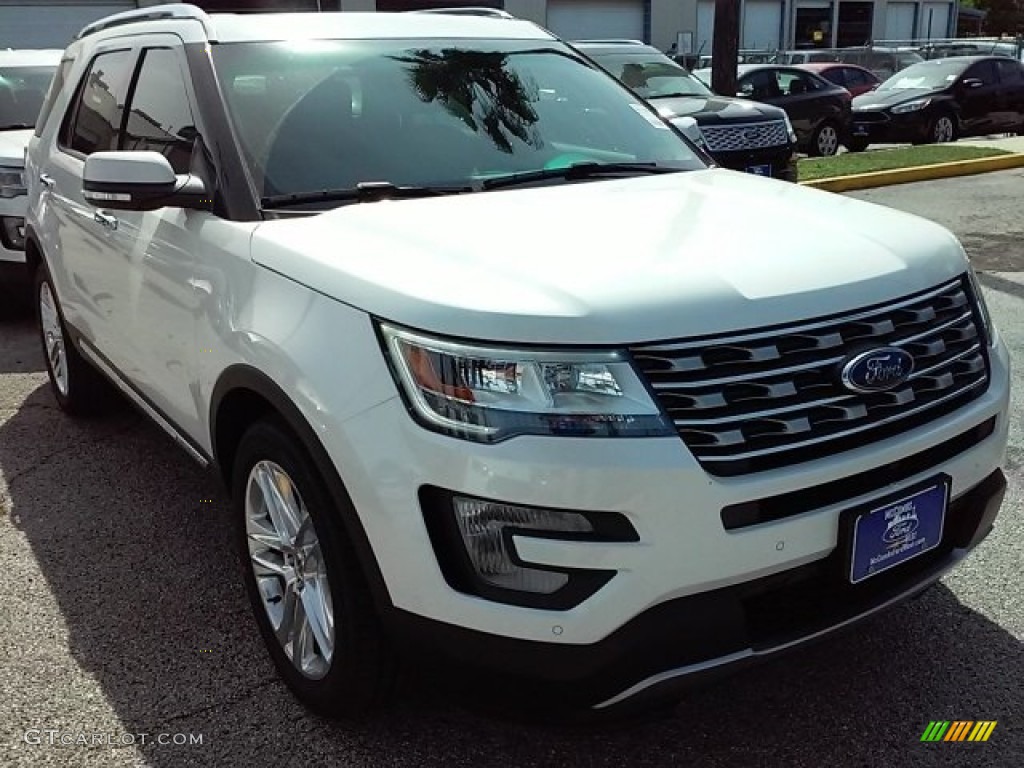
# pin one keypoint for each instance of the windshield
(649, 76)
(22, 90)
(938, 73)
(328, 115)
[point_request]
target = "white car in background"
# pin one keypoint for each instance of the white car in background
(25, 77)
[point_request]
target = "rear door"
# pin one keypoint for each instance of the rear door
(979, 104)
(1011, 95)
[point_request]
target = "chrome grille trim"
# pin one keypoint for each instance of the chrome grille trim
(746, 136)
(761, 399)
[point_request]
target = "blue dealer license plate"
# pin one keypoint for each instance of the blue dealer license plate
(760, 170)
(859, 129)
(887, 535)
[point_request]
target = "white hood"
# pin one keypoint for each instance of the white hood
(12, 147)
(612, 262)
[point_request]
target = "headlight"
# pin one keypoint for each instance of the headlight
(691, 130)
(789, 129)
(12, 182)
(986, 319)
(489, 394)
(911, 106)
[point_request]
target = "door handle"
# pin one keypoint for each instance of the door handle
(105, 219)
(46, 181)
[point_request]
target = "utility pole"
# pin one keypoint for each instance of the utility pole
(725, 47)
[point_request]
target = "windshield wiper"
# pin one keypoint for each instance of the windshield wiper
(363, 192)
(678, 95)
(16, 126)
(578, 171)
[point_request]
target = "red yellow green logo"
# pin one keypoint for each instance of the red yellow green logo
(958, 730)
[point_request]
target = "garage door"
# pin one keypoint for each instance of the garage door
(762, 24)
(934, 20)
(50, 25)
(596, 19)
(705, 27)
(899, 21)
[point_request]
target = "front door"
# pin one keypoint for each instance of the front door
(978, 93)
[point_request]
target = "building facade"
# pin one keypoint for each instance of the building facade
(765, 24)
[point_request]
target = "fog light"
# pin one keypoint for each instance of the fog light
(12, 232)
(487, 527)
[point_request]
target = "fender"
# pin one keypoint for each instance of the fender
(245, 377)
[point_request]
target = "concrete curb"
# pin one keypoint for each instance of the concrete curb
(920, 173)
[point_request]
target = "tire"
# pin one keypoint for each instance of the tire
(339, 663)
(80, 390)
(856, 145)
(942, 129)
(824, 140)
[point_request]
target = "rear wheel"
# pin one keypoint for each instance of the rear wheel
(825, 141)
(79, 388)
(308, 594)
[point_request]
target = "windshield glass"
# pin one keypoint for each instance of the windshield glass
(938, 73)
(22, 90)
(316, 115)
(649, 76)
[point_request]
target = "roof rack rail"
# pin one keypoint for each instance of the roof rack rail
(494, 13)
(151, 13)
(611, 41)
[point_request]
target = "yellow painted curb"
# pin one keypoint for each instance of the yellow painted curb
(919, 173)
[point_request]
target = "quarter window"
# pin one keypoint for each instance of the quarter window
(160, 118)
(100, 105)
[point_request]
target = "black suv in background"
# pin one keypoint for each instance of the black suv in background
(737, 133)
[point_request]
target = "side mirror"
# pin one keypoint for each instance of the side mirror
(972, 82)
(139, 181)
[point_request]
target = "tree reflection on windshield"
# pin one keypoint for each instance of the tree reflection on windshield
(477, 88)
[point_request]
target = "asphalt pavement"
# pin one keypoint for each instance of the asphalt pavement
(125, 618)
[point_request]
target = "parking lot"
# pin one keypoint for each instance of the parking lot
(125, 617)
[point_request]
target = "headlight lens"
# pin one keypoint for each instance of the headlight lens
(911, 106)
(12, 182)
(489, 394)
(789, 129)
(986, 319)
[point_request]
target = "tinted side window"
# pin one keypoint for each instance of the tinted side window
(837, 75)
(984, 71)
(97, 112)
(1010, 72)
(855, 77)
(56, 86)
(160, 118)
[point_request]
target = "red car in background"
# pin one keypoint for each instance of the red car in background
(856, 80)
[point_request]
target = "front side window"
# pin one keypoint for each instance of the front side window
(96, 120)
(56, 85)
(22, 90)
(160, 117)
(329, 115)
(984, 71)
(1010, 72)
(651, 77)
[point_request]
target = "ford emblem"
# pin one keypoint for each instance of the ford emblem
(877, 370)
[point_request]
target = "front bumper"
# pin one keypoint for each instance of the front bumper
(887, 128)
(691, 595)
(777, 162)
(658, 653)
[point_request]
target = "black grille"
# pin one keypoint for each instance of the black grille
(773, 397)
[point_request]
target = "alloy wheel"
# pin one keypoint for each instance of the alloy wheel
(943, 130)
(288, 562)
(53, 338)
(828, 141)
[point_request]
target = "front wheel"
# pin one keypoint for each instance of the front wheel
(308, 594)
(856, 145)
(941, 129)
(825, 141)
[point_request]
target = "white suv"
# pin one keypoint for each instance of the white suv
(493, 364)
(25, 77)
